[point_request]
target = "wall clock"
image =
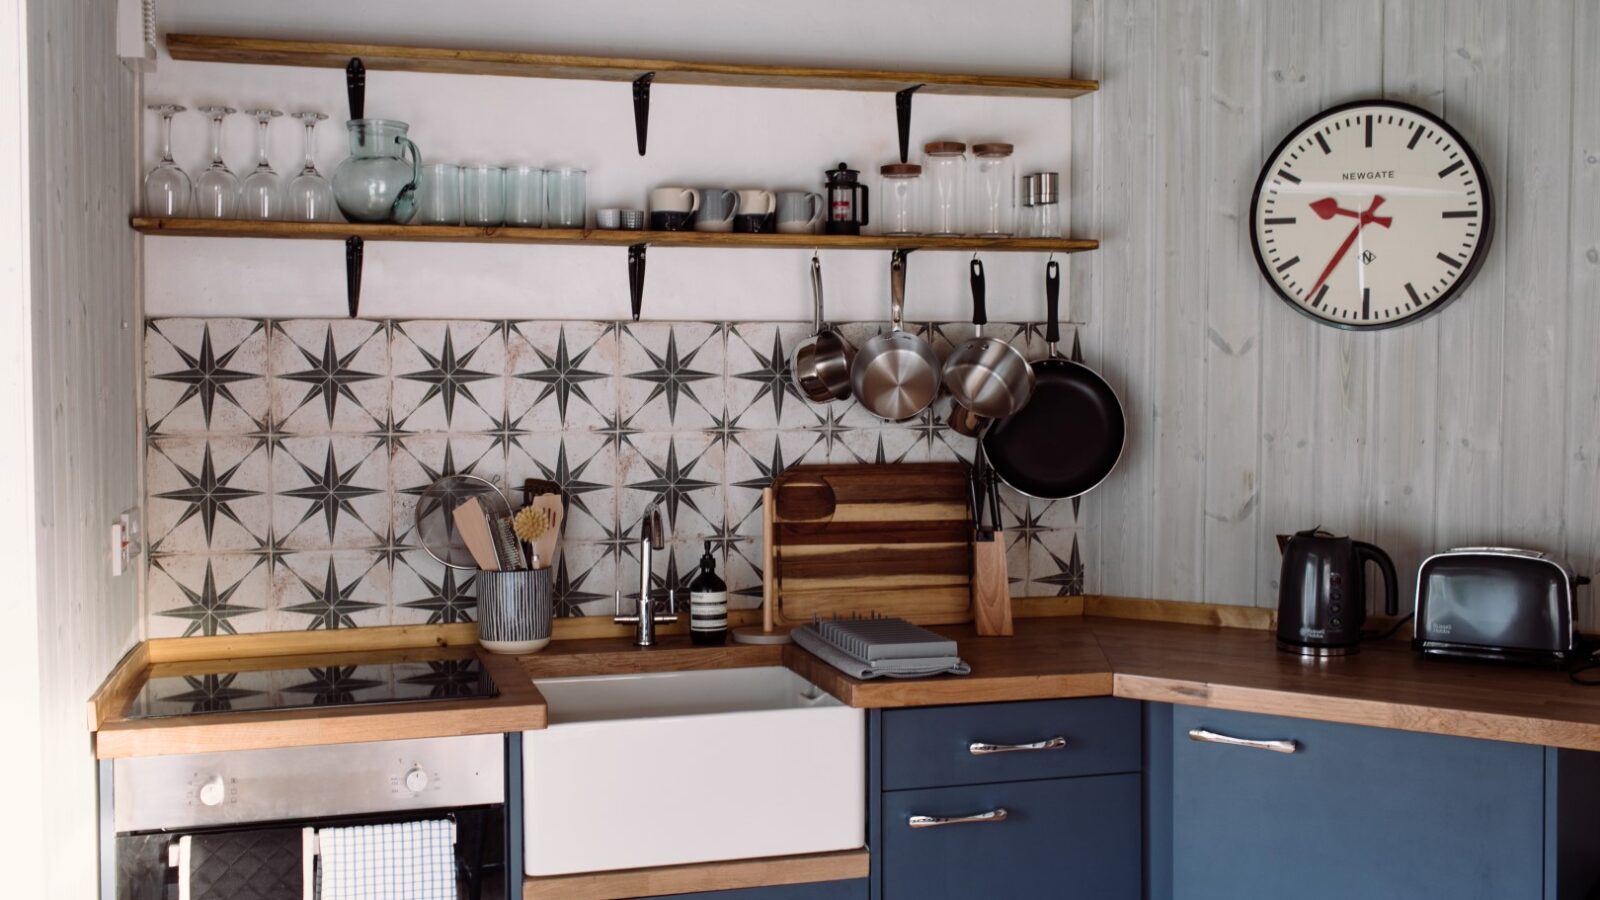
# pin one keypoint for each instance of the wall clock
(1370, 215)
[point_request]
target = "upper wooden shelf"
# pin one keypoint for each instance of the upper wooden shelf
(593, 237)
(323, 54)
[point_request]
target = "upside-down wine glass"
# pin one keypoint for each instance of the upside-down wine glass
(263, 200)
(167, 191)
(310, 195)
(217, 188)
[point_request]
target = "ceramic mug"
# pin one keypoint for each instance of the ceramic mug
(674, 199)
(799, 212)
(715, 209)
(608, 218)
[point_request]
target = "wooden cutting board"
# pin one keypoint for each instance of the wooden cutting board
(890, 539)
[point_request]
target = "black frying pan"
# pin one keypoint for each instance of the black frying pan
(1069, 436)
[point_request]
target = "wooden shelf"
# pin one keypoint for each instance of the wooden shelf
(321, 54)
(712, 876)
(477, 235)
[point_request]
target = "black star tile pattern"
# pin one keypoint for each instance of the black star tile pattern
(211, 693)
(206, 375)
(673, 374)
(674, 485)
(210, 610)
(330, 491)
(208, 495)
(331, 605)
(564, 375)
(328, 378)
(449, 375)
(450, 678)
(333, 686)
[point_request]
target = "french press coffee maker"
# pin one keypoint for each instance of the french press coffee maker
(847, 201)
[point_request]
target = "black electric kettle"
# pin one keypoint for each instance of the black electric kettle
(1322, 594)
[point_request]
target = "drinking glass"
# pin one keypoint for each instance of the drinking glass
(525, 196)
(564, 190)
(217, 188)
(439, 195)
(310, 196)
(263, 200)
(483, 195)
(167, 191)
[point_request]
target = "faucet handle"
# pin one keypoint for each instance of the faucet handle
(617, 615)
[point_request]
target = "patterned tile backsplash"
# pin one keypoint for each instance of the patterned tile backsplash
(284, 458)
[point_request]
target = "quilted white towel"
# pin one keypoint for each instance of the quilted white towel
(398, 861)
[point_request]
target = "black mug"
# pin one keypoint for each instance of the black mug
(670, 220)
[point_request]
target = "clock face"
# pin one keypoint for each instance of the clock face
(1371, 214)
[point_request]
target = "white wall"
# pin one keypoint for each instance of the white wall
(73, 356)
(1478, 425)
(700, 136)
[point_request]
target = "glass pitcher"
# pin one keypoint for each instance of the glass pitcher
(375, 183)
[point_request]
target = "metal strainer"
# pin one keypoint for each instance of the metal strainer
(436, 523)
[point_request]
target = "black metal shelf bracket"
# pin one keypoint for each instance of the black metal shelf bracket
(355, 85)
(641, 108)
(902, 115)
(354, 247)
(636, 277)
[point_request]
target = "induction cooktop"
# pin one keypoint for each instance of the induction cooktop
(362, 684)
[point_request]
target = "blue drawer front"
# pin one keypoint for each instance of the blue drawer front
(1063, 839)
(1355, 813)
(853, 889)
(929, 747)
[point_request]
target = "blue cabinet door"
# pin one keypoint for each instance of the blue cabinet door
(1065, 839)
(1353, 812)
(853, 889)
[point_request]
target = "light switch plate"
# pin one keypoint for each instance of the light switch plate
(125, 544)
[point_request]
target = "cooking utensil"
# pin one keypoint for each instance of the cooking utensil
(896, 375)
(822, 364)
(991, 586)
(476, 532)
(1069, 436)
(1322, 592)
(986, 375)
(544, 549)
(436, 528)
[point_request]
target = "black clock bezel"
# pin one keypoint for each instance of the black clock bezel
(1470, 270)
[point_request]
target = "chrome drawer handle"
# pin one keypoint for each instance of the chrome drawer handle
(1211, 737)
(978, 748)
(993, 815)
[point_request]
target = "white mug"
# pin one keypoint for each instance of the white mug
(674, 199)
(753, 202)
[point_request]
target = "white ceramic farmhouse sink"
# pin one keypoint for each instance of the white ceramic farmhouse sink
(669, 768)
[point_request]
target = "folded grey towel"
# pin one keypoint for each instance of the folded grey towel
(806, 636)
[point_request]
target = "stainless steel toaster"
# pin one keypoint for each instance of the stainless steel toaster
(1497, 603)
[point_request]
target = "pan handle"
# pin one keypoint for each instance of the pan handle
(897, 290)
(1052, 301)
(816, 294)
(980, 311)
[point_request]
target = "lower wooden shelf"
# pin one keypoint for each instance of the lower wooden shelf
(227, 228)
(715, 876)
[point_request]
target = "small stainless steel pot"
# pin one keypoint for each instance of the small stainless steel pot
(896, 375)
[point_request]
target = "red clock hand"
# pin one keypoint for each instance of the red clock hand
(1344, 248)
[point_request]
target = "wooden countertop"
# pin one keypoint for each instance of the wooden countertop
(1386, 685)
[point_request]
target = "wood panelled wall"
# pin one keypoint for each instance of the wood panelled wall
(87, 451)
(1478, 425)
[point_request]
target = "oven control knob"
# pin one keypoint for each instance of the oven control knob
(213, 792)
(416, 780)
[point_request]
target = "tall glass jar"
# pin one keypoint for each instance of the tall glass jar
(898, 198)
(1029, 195)
(945, 167)
(994, 202)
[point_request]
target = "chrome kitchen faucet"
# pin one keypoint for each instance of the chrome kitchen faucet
(650, 540)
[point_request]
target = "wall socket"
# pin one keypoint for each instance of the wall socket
(125, 545)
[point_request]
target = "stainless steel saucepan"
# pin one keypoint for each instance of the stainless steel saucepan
(989, 378)
(896, 375)
(821, 366)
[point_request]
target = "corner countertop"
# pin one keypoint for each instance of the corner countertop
(1386, 685)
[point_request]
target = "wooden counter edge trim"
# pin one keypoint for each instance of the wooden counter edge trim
(1354, 711)
(715, 876)
(295, 643)
(125, 680)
